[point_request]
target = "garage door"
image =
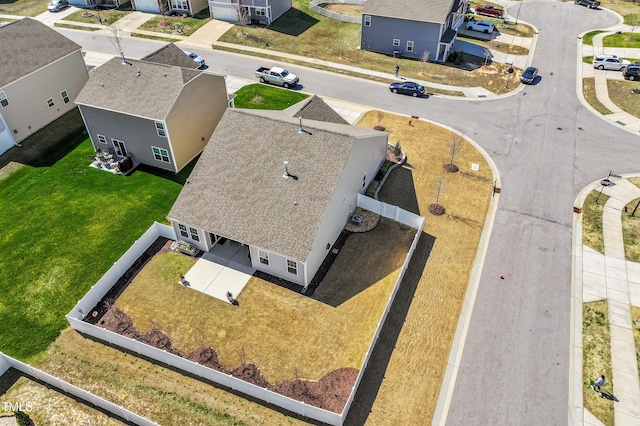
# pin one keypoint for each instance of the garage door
(224, 13)
(6, 138)
(149, 6)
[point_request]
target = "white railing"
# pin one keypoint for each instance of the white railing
(62, 386)
(390, 211)
(314, 5)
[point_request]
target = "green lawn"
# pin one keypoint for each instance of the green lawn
(106, 16)
(631, 40)
(176, 24)
(63, 225)
(592, 234)
(23, 7)
(271, 97)
(588, 37)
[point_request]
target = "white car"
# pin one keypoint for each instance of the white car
(609, 62)
(196, 58)
(481, 26)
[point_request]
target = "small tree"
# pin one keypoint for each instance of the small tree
(455, 144)
(487, 55)
(164, 7)
(634, 22)
(115, 37)
(379, 116)
(424, 57)
(242, 16)
(436, 209)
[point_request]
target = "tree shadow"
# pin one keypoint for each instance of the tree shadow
(293, 22)
(379, 361)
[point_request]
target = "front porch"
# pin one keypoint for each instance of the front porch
(226, 268)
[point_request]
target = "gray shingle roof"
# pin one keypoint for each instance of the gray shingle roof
(171, 55)
(28, 45)
(415, 10)
(237, 189)
(314, 108)
(118, 87)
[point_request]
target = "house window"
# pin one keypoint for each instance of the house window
(292, 267)
(3, 100)
(194, 234)
(260, 12)
(396, 42)
(64, 96)
(160, 154)
(180, 4)
(367, 20)
(264, 257)
(160, 129)
(364, 181)
(409, 46)
(50, 102)
(102, 139)
(183, 230)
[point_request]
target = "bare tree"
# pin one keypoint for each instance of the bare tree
(115, 37)
(164, 7)
(455, 144)
(242, 15)
(487, 55)
(424, 57)
(634, 22)
(436, 209)
(380, 116)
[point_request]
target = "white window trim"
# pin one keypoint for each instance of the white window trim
(367, 20)
(295, 267)
(168, 160)
(194, 234)
(183, 230)
(102, 139)
(261, 12)
(160, 130)
(65, 99)
(396, 42)
(3, 97)
(410, 45)
(263, 257)
(50, 103)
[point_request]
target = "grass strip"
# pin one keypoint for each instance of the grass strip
(270, 97)
(589, 93)
(592, 234)
(154, 37)
(75, 27)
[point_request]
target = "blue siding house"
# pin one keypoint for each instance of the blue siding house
(410, 27)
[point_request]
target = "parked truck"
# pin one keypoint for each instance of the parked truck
(277, 75)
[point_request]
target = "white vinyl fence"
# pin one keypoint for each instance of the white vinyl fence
(97, 292)
(315, 6)
(60, 385)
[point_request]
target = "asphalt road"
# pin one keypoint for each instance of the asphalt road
(547, 147)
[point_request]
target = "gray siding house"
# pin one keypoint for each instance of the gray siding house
(287, 217)
(259, 11)
(410, 27)
(41, 73)
(155, 114)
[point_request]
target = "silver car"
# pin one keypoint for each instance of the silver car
(609, 62)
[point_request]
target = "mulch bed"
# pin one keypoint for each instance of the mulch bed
(330, 392)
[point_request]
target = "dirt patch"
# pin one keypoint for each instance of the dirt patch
(330, 392)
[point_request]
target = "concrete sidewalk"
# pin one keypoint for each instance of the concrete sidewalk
(609, 277)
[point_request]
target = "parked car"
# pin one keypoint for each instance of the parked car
(489, 10)
(609, 62)
(529, 75)
(631, 72)
(196, 58)
(57, 5)
(277, 75)
(408, 88)
(481, 26)
(591, 4)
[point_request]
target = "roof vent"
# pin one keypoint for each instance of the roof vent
(138, 73)
(286, 170)
(301, 130)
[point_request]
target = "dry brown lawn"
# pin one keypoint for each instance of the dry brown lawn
(589, 92)
(345, 9)
(411, 385)
(285, 334)
(630, 231)
(51, 408)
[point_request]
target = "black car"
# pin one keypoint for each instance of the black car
(631, 72)
(408, 88)
(529, 75)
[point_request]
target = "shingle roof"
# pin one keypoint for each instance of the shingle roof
(28, 45)
(237, 189)
(314, 108)
(414, 10)
(171, 55)
(150, 94)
